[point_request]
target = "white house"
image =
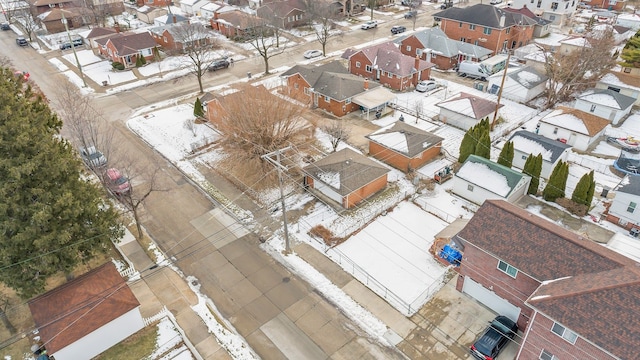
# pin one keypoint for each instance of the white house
(575, 127)
(607, 104)
(521, 84)
(192, 7)
(149, 13)
(557, 12)
(466, 110)
(625, 209)
(208, 10)
(629, 20)
(526, 143)
(87, 315)
(480, 179)
(623, 83)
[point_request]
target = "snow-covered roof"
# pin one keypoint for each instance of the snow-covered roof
(609, 98)
(405, 139)
(530, 143)
(625, 245)
(526, 76)
(575, 120)
(621, 80)
(469, 105)
(489, 175)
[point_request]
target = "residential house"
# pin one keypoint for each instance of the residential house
(521, 84)
(87, 315)
(175, 37)
(51, 20)
(487, 26)
(573, 43)
(234, 24)
(621, 34)
(541, 29)
(631, 21)
(386, 64)
(480, 179)
(560, 287)
(607, 104)
(149, 13)
(611, 5)
(208, 10)
(99, 33)
(433, 45)
(154, 3)
(192, 7)
(284, 14)
(345, 177)
(556, 12)
(526, 143)
(169, 18)
(38, 7)
(103, 9)
(126, 47)
(622, 211)
(577, 128)
(403, 146)
(621, 82)
(466, 110)
(330, 88)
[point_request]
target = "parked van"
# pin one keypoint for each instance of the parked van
(472, 69)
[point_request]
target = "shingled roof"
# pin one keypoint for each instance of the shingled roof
(311, 73)
(578, 121)
(485, 15)
(345, 171)
(511, 177)
(437, 41)
(607, 97)
(405, 139)
(553, 149)
(75, 309)
(387, 57)
(469, 105)
(131, 44)
(341, 86)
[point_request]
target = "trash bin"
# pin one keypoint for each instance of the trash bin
(104, 83)
(248, 75)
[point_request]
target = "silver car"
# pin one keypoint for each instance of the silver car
(426, 85)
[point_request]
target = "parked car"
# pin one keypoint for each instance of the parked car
(116, 182)
(495, 2)
(447, 4)
(398, 29)
(5, 26)
(494, 338)
(369, 25)
(426, 85)
(92, 157)
(218, 64)
(73, 43)
(310, 54)
(410, 14)
(22, 41)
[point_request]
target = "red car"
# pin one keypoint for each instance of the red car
(116, 182)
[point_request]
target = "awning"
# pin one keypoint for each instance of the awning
(374, 98)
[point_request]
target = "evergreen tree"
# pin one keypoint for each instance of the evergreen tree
(467, 146)
(631, 52)
(527, 169)
(580, 192)
(555, 186)
(198, 111)
(592, 189)
(506, 155)
(51, 217)
(483, 148)
(139, 62)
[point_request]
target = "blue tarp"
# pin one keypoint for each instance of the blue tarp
(452, 255)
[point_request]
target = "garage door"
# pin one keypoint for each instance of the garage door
(490, 299)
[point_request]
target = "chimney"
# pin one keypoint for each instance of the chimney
(416, 63)
(502, 20)
(117, 27)
(175, 19)
(366, 84)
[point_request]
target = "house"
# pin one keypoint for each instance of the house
(125, 48)
(433, 45)
(556, 12)
(38, 7)
(330, 88)
(87, 315)
(621, 82)
(573, 43)
(607, 104)
(487, 26)
(208, 10)
(51, 20)
(175, 37)
(192, 7)
(105, 8)
(466, 110)
(149, 13)
(345, 177)
(285, 14)
(541, 29)
(622, 211)
(615, 5)
(620, 33)
(521, 84)
(480, 179)
(631, 21)
(99, 33)
(386, 64)
(234, 23)
(168, 19)
(154, 3)
(403, 146)
(561, 288)
(577, 128)
(526, 143)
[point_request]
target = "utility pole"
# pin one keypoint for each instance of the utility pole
(504, 76)
(73, 47)
(280, 167)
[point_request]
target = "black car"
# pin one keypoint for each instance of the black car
(5, 26)
(218, 64)
(398, 29)
(22, 41)
(494, 338)
(410, 14)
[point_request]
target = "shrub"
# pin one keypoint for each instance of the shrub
(573, 207)
(117, 65)
(326, 235)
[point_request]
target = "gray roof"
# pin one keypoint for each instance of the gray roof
(353, 169)
(513, 176)
(341, 86)
(630, 185)
(485, 15)
(623, 101)
(436, 40)
(417, 140)
(470, 105)
(526, 76)
(311, 73)
(556, 147)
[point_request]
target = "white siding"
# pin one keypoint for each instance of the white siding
(513, 90)
(547, 167)
(605, 112)
(458, 120)
(620, 204)
(578, 141)
(478, 194)
(327, 191)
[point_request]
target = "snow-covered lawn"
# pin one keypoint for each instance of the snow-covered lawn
(169, 343)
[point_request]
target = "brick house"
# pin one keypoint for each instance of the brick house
(99, 33)
(126, 47)
(345, 177)
(87, 315)
(284, 14)
(51, 20)
(564, 291)
(541, 29)
(386, 64)
(615, 5)
(234, 23)
(38, 7)
(433, 45)
(174, 37)
(487, 26)
(403, 146)
(622, 210)
(149, 13)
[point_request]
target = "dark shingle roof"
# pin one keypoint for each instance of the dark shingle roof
(130, 44)
(341, 86)
(311, 73)
(469, 105)
(485, 15)
(630, 185)
(416, 140)
(437, 41)
(555, 147)
(527, 76)
(100, 31)
(387, 57)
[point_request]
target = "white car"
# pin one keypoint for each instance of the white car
(369, 25)
(426, 85)
(310, 54)
(495, 2)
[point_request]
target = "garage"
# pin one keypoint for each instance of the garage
(489, 299)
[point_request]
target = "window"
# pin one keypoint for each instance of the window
(627, 70)
(408, 48)
(507, 269)
(475, 43)
(545, 355)
(564, 333)
(613, 89)
(554, 6)
(539, 4)
(555, 131)
(566, 6)
(460, 25)
(524, 157)
(632, 207)
(463, 39)
(296, 86)
(472, 26)
(368, 68)
(470, 188)
(419, 52)
(433, 56)
(487, 31)
(326, 99)
(508, 30)
(357, 64)
(348, 101)
(306, 91)
(593, 108)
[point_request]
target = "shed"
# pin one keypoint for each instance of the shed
(526, 143)
(521, 83)
(574, 127)
(466, 110)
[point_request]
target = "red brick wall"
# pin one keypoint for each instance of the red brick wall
(616, 220)
(483, 269)
(441, 62)
(364, 192)
(337, 108)
(295, 88)
(399, 161)
(390, 80)
(604, 4)
(215, 112)
(540, 337)
(494, 41)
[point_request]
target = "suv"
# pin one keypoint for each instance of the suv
(22, 41)
(92, 157)
(218, 64)
(117, 183)
(369, 25)
(5, 26)
(410, 14)
(398, 29)
(74, 43)
(494, 338)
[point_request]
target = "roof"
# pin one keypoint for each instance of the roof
(279, 8)
(183, 31)
(340, 86)
(129, 44)
(375, 97)
(38, 3)
(498, 179)
(387, 57)
(311, 73)
(527, 76)
(469, 105)
(404, 138)
(75, 309)
(100, 31)
(609, 98)
(345, 171)
(576, 120)
(524, 10)
(530, 143)
(485, 15)
(535, 246)
(237, 18)
(437, 42)
(630, 184)
(170, 19)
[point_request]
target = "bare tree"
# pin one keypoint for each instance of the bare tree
(142, 183)
(28, 22)
(579, 68)
(261, 38)
(323, 16)
(337, 132)
(198, 45)
(414, 18)
(419, 109)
